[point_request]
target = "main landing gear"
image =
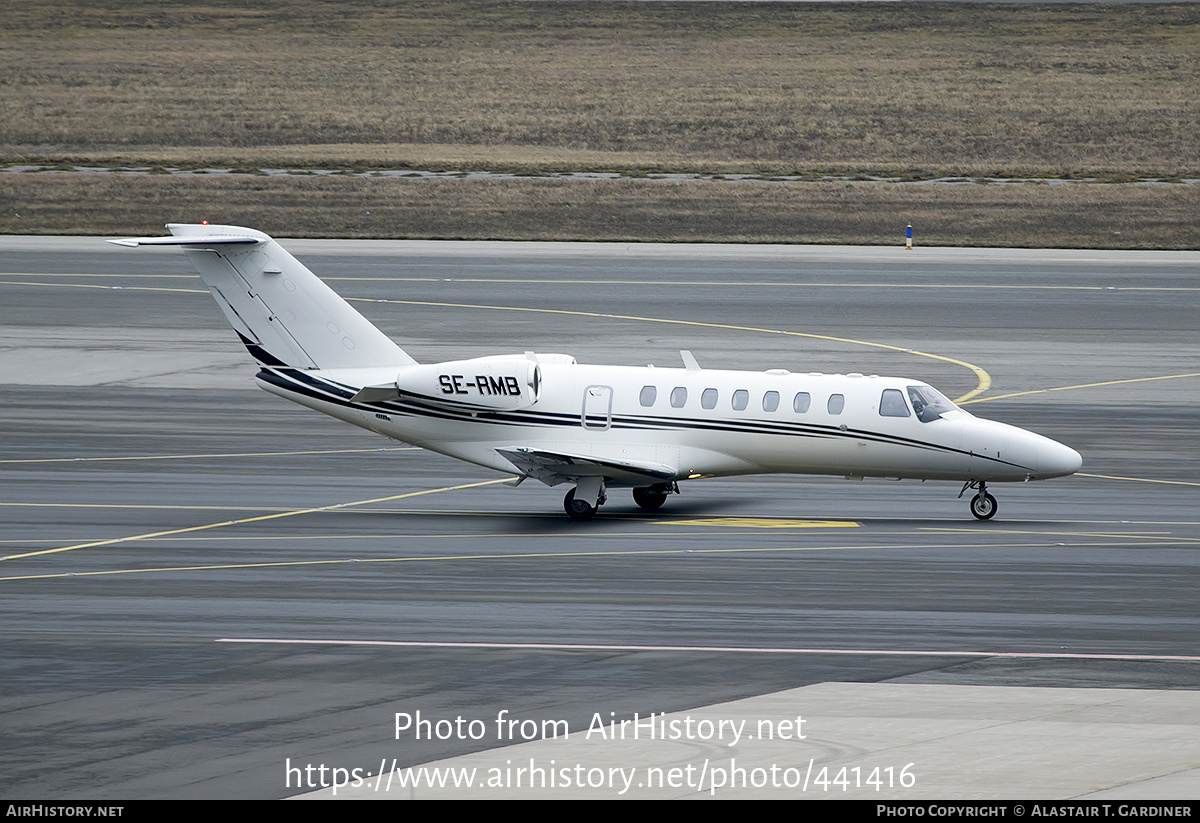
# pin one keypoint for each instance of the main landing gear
(582, 501)
(588, 495)
(983, 505)
(652, 497)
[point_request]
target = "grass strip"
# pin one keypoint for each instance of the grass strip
(1128, 216)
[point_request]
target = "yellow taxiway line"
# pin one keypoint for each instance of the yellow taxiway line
(258, 519)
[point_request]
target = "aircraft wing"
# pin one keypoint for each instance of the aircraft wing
(553, 468)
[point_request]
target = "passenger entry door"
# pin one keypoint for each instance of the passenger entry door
(597, 408)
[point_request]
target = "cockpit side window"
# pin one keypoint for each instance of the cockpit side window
(928, 403)
(892, 404)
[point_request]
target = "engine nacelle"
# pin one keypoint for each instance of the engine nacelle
(500, 383)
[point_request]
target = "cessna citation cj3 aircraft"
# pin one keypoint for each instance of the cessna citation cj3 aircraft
(548, 417)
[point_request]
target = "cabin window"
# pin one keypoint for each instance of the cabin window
(801, 402)
(741, 399)
(892, 404)
(678, 397)
(648, 396)
(771, 401)
(708, 400)
(836, 403)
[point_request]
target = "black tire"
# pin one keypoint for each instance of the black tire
(649, 498)
(577, 509)
(983, 506)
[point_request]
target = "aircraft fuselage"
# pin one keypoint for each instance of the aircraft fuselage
(549, 418)
(605, 412)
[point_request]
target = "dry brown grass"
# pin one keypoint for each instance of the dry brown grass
(921, 89)
(1107, 216)
(913, 90)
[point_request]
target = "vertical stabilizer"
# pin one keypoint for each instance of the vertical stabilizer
(284, 313)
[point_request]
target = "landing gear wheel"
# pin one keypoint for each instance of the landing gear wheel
(983, 506)
(577, 509)
(649, 498)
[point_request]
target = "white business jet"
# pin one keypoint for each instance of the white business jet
(548, 417)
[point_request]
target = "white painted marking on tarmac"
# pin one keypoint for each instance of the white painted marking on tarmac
(762, 523)
(209, 456)
(724, 649)
(1138, 479)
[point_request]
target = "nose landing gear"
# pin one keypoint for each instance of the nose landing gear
(983, 505)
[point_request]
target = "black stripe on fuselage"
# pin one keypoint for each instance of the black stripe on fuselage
(260, 354)
(297, 381)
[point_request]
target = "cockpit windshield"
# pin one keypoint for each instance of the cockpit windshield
(928, 403)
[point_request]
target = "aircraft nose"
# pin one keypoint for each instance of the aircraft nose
(1056, 460)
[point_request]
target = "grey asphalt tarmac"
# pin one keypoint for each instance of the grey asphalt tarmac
(162, 517)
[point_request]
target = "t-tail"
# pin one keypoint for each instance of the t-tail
(282, 311)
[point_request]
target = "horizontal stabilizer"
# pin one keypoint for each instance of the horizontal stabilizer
(204, 240)
(553, 468)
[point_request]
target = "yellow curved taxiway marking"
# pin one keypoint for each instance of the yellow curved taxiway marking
(984, 379)
(1081, 386)
(260, 518)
